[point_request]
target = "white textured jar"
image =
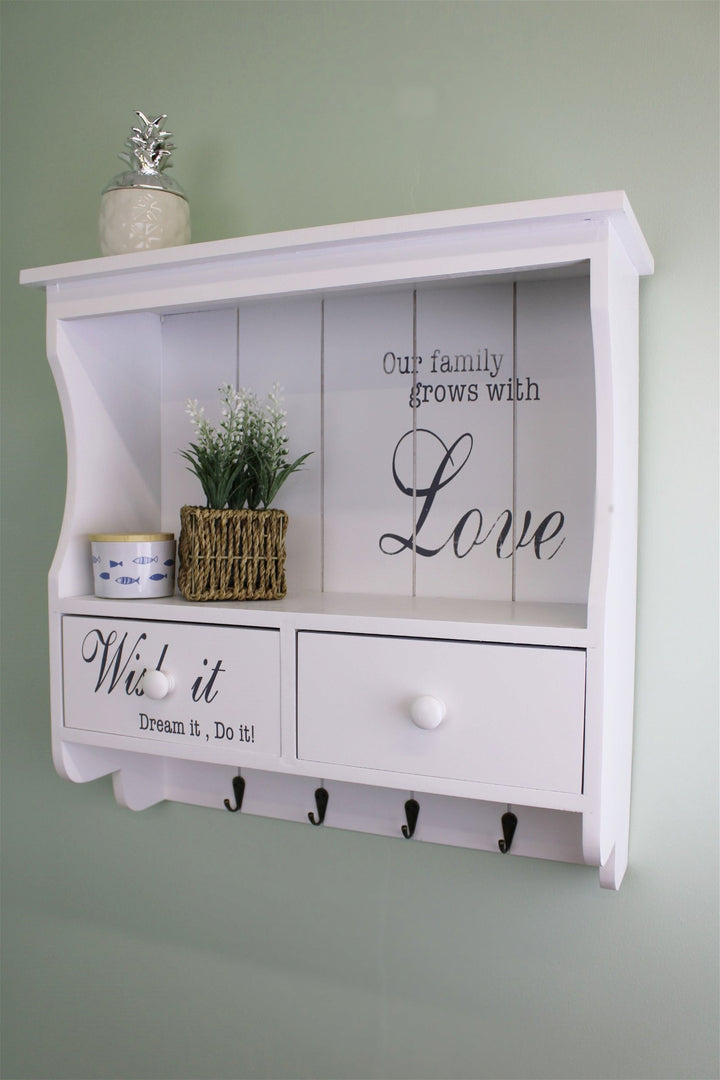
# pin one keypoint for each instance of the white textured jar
(133, 566)
(141, 219)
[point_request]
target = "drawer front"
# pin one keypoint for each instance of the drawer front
(223, 692)
(514, 715)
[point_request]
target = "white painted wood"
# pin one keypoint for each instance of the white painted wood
(279, 341)
(141, 784)
(480, 227)
(544, 834)
(108, 375)
(131, 337)
(531, 623)
(513, 715)
(464, 440)
(614, 571)
(256, 346)
(199, 354)
(222, 685)
(81, 763)
(367, 434)
(555, 439)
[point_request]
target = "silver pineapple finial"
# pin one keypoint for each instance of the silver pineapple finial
(149, 147)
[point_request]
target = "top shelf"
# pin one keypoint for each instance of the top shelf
(530, 224)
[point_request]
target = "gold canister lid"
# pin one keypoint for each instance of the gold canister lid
(130, 538)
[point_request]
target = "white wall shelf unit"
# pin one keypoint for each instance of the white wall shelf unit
(457, 641)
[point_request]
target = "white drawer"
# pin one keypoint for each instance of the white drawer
(225, 682)
(514, 715)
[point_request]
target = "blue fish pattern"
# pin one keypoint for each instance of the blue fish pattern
(127, 580)
(113, 563)
(96, 559)
(168, 562)
(157, 577)
(143, 560)
(105, 576)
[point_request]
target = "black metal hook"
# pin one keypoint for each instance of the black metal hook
(509, 825)
(412, 811)
(238, 784)
(321, 802)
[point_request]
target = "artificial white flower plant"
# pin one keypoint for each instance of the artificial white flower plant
(243, 462)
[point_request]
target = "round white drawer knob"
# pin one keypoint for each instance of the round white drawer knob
(157, 684)
(427, 712)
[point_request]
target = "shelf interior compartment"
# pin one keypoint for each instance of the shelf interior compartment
(452, 429)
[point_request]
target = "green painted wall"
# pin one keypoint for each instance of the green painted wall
(179, 943)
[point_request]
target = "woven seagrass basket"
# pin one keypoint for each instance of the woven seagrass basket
(232, 554)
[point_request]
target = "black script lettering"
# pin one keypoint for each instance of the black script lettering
(540, 538)
(451, 461)
(203, 692)
(109, 651)
(478, 539)
(428, 494)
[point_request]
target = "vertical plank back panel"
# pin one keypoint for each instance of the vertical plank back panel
(555, 440)
(199, 355)
(367, 413)
(464, 440)
(279, 341)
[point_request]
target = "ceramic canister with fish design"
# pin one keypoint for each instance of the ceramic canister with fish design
(131, 566)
